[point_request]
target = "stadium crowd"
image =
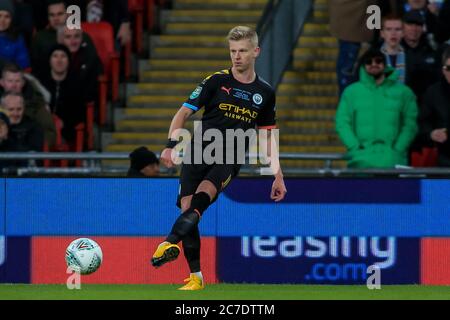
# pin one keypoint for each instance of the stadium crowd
(50, 73)
(394, 83)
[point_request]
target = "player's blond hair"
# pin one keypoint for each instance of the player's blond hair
(243, 33)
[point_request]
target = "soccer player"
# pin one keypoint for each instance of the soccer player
(232, 99)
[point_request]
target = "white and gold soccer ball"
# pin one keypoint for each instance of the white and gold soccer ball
(84, 256)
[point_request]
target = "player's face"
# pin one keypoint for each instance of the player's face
(243, 54)
(392, 32)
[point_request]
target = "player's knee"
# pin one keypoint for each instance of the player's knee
(200, 202)
(207, 187)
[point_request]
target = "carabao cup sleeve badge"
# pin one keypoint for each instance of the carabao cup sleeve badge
(196, 93)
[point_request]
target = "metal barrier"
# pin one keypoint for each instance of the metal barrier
(93, 165)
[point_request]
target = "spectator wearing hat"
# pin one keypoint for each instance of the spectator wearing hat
(430, 14)
(12, 44)
(67, 100)
(376, 117)
(422, 62)
(143, 163)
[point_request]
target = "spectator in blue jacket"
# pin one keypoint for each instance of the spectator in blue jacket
(12, 44)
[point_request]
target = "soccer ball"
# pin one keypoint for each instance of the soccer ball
(84, 256)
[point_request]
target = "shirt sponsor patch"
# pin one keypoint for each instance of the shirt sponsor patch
(196, 93)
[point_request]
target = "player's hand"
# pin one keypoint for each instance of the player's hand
(439, 135)
(278, 190)
(166, 158)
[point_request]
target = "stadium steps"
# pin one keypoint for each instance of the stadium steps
(309, 87)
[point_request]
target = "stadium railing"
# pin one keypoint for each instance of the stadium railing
(92, 164)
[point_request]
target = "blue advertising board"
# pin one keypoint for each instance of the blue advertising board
(313, 207)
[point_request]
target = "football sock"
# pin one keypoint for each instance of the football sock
(189, 219)
(198, 274)
(191, 249)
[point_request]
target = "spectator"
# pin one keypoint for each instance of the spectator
(25, 134)
(430, 13)
(85, 61)
(435, 114)
(67, 101)
(13, 81)
(12, 44)
(422, 63)
(376, 116)
(143, 163)
(350, 34)
(46, 39)
(392, 35)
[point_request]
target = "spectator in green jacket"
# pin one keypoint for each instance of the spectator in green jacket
(377, 116)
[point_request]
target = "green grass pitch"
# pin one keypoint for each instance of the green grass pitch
(222, 292)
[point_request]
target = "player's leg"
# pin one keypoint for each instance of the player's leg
(187, 221)
(191, 243)
(190, 178)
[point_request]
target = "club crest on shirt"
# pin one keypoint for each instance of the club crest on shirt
(257, 99)
(196, 93)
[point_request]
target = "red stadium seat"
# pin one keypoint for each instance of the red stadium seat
(427, 157)
(150, 7)
(102, 35)
(62, 146)
(136, 8)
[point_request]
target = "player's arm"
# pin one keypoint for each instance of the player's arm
(178, 122)
(267, 121)
(278, 187)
